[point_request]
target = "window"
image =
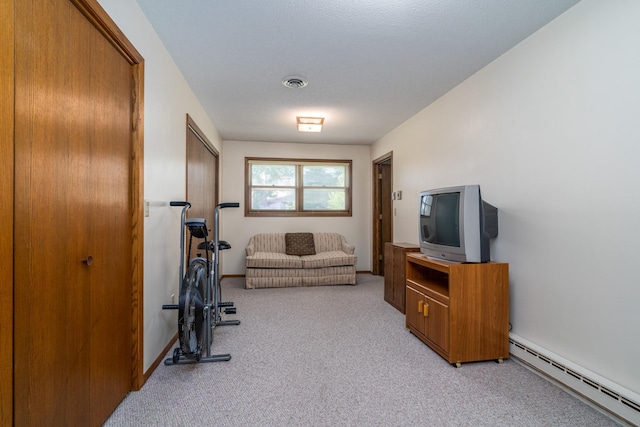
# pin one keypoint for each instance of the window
(296, 187)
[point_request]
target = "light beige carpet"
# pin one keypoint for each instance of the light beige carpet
(340, 356)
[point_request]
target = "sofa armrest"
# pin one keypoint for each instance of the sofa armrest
(250, 250)
(348, 249)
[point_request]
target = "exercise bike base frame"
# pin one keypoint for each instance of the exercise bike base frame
(204, 359)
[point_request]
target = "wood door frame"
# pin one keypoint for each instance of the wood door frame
(377, 248)
(94, 13)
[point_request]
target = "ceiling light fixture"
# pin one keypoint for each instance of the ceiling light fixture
(295, 82)
(310, 124)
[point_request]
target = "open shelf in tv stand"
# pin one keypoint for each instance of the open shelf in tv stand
(461, 311)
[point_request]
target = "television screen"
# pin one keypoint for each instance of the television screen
(447, 216)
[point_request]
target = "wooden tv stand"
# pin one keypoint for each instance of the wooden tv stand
(461, 311)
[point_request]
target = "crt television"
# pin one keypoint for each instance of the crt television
(456, 224)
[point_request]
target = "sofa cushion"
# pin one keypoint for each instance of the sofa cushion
(266, 242)
(299, 244)
(327, 241)
(328, 259)
(273, 260)
(280, 278)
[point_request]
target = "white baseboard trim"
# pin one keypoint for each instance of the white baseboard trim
(614, 399)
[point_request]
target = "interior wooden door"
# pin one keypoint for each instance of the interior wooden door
(73, 204)
(7, 187)
(109, 229)
(386, 210)
(382, 210)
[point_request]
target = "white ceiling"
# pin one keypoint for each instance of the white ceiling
(371, 64)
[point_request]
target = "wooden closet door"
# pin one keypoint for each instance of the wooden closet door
(202, 177)
(72, 279)
(109, 228)
(196, 171)
(210, 184)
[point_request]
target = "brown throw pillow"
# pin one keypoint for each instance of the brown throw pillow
(299, 244)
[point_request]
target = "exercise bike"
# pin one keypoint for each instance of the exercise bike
(199, 306)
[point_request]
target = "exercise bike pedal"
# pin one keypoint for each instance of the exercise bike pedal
(228, 323)
(230, 310)
(225, 304)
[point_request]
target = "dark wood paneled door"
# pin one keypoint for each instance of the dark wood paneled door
(382, 210)
(73, 204)
(202, 176)
(386, 211)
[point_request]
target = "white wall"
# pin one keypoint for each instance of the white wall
(237, 229)
(167, 100)
(551, 132)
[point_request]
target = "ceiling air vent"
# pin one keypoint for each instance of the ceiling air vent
(295, 82)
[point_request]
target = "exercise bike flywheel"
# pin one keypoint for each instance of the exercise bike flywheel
(191, 310)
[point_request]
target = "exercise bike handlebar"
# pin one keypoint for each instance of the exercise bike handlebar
(216, 235)
(229, 205)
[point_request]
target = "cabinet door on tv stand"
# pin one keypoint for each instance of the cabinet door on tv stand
(414, 309)
(436, 316)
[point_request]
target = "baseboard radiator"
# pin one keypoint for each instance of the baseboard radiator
(607, 395)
